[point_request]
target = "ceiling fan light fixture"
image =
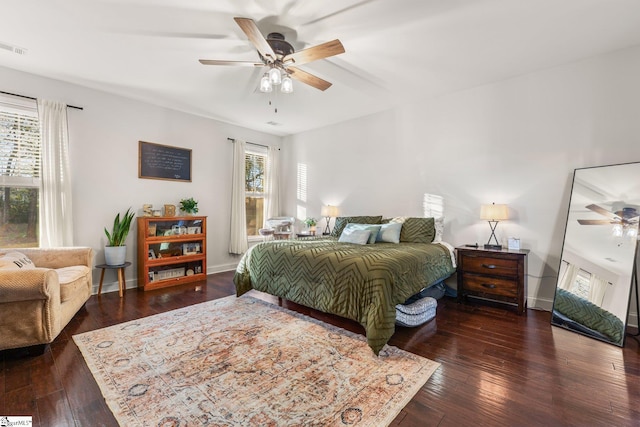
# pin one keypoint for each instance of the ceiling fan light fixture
(274, 76)
(631, 232)
(617, 230)
(287, 84)
(265, 84)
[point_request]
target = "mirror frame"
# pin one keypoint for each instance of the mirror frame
(633, 271)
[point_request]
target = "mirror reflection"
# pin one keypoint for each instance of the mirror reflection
(599, 252)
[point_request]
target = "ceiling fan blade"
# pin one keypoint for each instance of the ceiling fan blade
(308, 78)
(594, 221)
(222, 62)
(314, 53)
(602, 211)
(255, 36)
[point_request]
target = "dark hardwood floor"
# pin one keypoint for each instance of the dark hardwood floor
(498, 368)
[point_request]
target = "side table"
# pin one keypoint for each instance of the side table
(120, 269)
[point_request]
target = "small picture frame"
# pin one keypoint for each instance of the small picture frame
(151, 231)
(194, 230)
(513, 244)
(152, 254)
(198, 269)
(190, 248)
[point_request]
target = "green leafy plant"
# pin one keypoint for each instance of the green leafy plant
(310, 222)
(189, 205)
(120, 229)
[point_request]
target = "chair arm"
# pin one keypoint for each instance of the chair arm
(29, 285)
(59, 257)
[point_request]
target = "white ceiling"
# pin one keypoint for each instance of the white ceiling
(396, 51)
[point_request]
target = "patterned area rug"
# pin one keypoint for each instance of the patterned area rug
(245, 362)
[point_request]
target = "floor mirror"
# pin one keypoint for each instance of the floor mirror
(599, 252)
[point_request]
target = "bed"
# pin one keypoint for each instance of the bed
(578, 314)
(362, 282)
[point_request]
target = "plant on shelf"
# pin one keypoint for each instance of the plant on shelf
(115, 252)
(189, 206)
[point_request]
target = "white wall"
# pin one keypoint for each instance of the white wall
(515, 142)
(104, 156)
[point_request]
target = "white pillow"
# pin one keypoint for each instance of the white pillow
(390, 232)
(16, 261)
(359, 237)
(373, 228)
(438, 224)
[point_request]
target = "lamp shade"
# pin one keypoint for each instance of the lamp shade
(329, 211)
(265, 84)
(494, 212)
(287, 84)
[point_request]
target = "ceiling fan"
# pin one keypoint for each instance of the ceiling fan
(625, 217)
(276, 53)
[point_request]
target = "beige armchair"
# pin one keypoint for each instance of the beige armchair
(37, 303)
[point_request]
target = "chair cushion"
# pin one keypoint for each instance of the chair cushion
(72, 279)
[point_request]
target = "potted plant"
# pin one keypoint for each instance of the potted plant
(311, 223)
(189, 206)
(115, 252)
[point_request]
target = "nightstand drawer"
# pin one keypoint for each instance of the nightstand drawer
(490, 285)
(491, 265)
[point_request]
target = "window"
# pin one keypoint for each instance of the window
(255, 162)
(19, 173)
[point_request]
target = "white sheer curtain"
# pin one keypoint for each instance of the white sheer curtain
(238, 242)
(56, 221)
(272, 205)
(597, 289)
(569, 277)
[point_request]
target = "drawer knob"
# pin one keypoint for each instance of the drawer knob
(491, 266)
(489, 285)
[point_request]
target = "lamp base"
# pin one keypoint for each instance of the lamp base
(494, 247)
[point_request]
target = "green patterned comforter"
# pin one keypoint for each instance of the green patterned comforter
(360, 282)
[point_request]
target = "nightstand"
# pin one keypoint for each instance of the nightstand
(499, 276)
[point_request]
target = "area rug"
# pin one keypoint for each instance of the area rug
(245, 362)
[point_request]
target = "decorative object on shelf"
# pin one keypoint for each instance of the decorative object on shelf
(328, 212)
(189, 206)
(115, 252)
(194, 230)
(152, 254)
(169, 210)
(157, 212)
(147, 210)
(190, 248)
(493, 214)
(311, 223)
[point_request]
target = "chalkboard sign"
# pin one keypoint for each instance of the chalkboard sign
(156, 161)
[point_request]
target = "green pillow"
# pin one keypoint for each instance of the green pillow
(342, 221)
(418, 230)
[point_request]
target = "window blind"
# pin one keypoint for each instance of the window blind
(19, 144)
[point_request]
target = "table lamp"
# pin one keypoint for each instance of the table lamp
(328, 212)
(493, 214)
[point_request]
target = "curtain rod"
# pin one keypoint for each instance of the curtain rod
(35, 99)
(252, 143)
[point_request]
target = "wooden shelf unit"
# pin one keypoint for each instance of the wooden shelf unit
(174, 263)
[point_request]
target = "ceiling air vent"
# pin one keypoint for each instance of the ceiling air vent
(272, 123)
(14, 49)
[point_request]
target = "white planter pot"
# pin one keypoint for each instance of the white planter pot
(115, 255)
